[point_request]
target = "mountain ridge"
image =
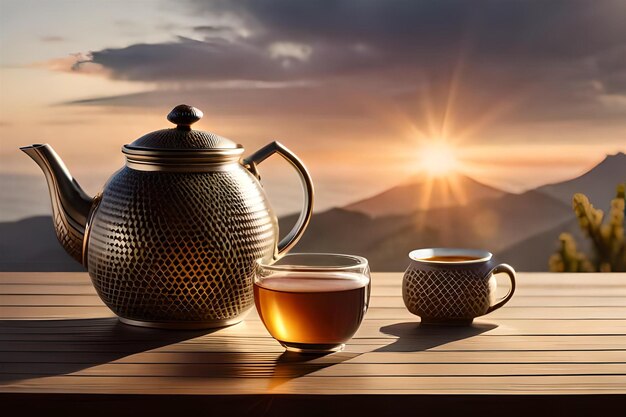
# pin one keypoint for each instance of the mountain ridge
(520, 228)
(386, 240)
(407, 197)
(534, 252)
(31, 245)
(598, 183)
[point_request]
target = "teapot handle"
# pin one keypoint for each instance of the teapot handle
(262, 154)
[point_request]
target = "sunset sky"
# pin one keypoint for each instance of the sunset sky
(524, 92)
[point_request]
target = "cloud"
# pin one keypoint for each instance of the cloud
(230, 32)
(77, 63)
(217, 59)
(560, 58)
(555, 29)
(214, 30)
(611, 71)
(290, 50)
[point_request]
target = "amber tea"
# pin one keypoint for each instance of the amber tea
(450, 258)
(305, 310)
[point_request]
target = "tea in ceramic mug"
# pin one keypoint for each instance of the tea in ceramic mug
(453, 286)
(450, 258)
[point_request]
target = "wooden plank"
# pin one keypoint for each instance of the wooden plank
(545, 279)
(54, 312)
(427, 356)
(50, 300)
(47, 278)
(387, 313)
(34, 312)
(514, 313)
(295, 370)
(164, 357)
(387, 329)
(487, 357)
(395, 370)
(514, 344)
(531, 301)
(135, 385)
(82, 283)
(545, 384)
(46, 289)
(572, 290)
(16, 294)
(379, 279)
(561, 334)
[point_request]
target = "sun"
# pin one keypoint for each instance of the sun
(438, 159)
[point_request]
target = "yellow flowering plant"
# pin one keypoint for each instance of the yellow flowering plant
(607, 238)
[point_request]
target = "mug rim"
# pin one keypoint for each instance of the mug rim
(418, 255)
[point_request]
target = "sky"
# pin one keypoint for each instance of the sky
(524, 92)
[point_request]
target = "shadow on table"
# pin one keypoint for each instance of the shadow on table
(291, 365)
(42, 348)
(39, 348)
(415, 337)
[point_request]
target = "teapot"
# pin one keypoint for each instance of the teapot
(173, 238)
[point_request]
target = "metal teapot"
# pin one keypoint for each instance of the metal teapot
(173, 238)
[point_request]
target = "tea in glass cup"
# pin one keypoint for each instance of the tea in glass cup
(312, 302)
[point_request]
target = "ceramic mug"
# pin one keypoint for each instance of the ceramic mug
(453, 286)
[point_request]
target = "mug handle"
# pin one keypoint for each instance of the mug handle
(508, 269)
(261, 155)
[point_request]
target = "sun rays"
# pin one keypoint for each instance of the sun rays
(441, 137)
(438, 159)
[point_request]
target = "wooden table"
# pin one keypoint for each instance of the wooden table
(559, 346)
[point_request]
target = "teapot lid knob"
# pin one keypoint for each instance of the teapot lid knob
(183, 116)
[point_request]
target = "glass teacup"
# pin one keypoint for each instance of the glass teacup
(312, 303)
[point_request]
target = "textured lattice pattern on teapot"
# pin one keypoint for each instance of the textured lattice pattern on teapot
(181, 139)
(68, 237)
(179, 247)
(460, 294)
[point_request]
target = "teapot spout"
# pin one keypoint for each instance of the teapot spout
(71, 206)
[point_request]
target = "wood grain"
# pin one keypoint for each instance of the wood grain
(562, 334)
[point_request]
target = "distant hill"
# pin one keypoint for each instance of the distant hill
(521, 229)
(422, 194)
(31, 245)
(532, 254)
(23, 196)
(491, 223)
(598, 183)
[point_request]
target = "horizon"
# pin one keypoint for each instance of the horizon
(520, 101)
(421, 178)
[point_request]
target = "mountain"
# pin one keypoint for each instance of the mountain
(24, 196)
(495, 224)
(423, 194)
(532, 254)
(598, 184)
(31, 245)
(489, 223)
(521, 229)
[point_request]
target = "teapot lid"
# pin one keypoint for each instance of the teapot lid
(181, 148)
(181, 137)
